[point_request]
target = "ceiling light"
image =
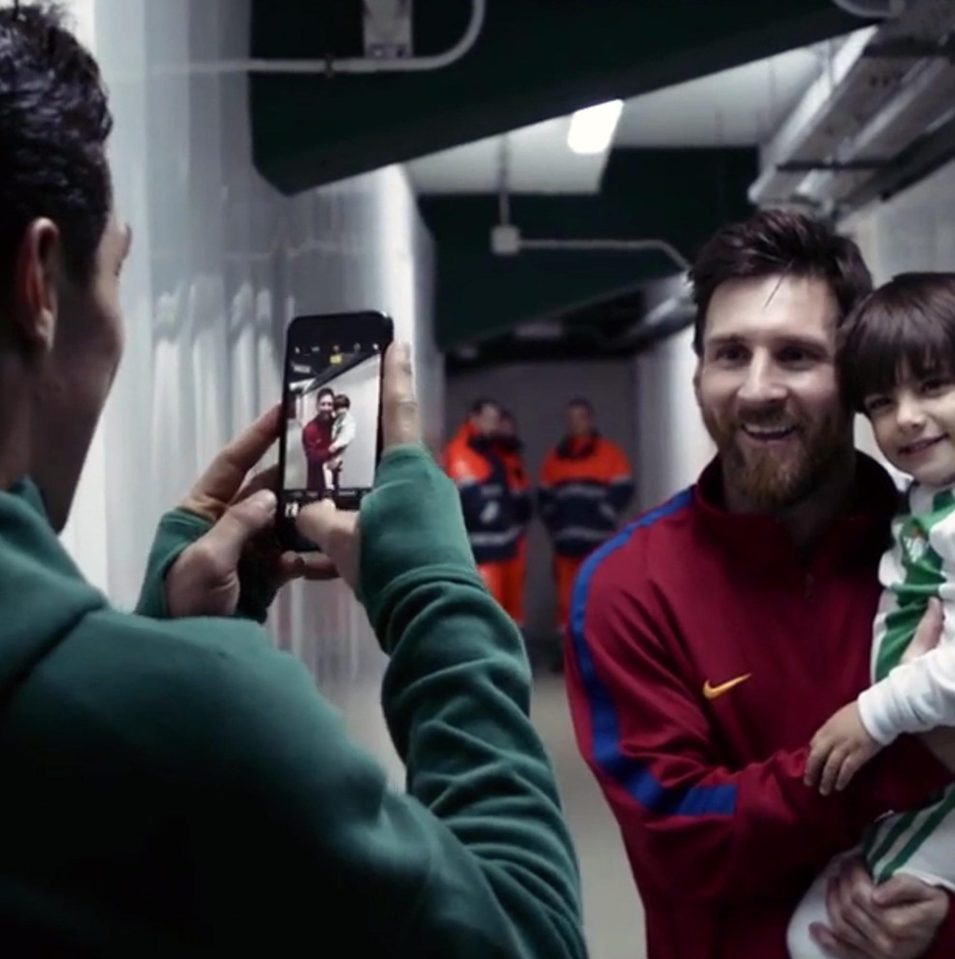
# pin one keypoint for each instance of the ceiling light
(591, 130)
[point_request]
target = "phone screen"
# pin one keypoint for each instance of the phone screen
(332, 402)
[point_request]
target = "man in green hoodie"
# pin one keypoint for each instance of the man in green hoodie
(172, 785)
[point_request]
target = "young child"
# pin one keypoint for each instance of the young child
(897, 363)
(343, 432)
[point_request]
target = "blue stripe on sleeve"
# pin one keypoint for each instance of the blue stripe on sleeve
(634, 776)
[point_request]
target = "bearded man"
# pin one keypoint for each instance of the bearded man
(712, 636)
(317, 440)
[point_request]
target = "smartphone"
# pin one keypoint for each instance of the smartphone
(330, 442)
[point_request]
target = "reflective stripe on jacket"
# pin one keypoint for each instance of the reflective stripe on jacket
(481, 478)
(585, 485)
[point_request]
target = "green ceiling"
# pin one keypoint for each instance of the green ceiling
(675, 195)
(534, 59)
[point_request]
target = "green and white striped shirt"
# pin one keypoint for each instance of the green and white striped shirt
(920, 695)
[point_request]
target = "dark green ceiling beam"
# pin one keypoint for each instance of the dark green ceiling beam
(534, 59)
(680, 196)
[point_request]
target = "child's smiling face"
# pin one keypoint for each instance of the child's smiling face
(914, 425)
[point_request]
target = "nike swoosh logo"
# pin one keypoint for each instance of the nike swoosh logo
(714, 692)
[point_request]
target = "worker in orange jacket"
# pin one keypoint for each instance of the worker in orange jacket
(471, 459)
(510, 449)
(585, 484)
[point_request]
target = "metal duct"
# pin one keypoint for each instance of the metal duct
(884, 89)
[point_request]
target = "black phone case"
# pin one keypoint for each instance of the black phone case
(331, 328)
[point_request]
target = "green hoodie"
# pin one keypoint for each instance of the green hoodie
(178, 787)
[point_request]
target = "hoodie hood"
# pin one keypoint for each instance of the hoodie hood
(43, 595)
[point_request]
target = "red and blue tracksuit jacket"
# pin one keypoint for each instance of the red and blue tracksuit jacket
(704, 652)
(489, 513)
(585, 484)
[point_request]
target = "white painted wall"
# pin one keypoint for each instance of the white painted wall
(221, 262)
(915, 230)
(672, 443)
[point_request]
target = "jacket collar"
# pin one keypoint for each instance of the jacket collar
(469, 436)
(860, 533)
(578, 447)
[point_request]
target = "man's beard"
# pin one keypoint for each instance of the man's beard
(767, 479)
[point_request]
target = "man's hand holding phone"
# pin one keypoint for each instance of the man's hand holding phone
(205, 579)
(337, 531)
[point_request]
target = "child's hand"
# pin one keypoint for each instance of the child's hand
(838, 751)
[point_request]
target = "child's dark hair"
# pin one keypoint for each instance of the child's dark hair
(906, 326)
(342, 402)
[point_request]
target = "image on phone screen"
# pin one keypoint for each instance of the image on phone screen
(332, 403)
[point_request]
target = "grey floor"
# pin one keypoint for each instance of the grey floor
(613, 916)
(612, 913)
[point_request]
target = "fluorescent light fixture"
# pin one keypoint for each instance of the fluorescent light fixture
(591, 130)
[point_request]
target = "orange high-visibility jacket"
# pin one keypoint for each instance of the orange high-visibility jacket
(585, 485)
(481, 477)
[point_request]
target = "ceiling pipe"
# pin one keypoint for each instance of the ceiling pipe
(507, 240)
(609, 246)
(330, 66)
(872, 9)
(668, 316)
(503, 196)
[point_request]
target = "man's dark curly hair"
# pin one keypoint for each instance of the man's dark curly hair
(54, 122)
(780, 242)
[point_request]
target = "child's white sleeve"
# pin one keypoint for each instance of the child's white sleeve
(914, 698)
(348, 431)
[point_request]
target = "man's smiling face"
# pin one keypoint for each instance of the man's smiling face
(767, 389)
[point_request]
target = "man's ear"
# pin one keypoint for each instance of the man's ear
(35, 278)
(696, 380)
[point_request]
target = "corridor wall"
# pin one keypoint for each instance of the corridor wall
(221, 262)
